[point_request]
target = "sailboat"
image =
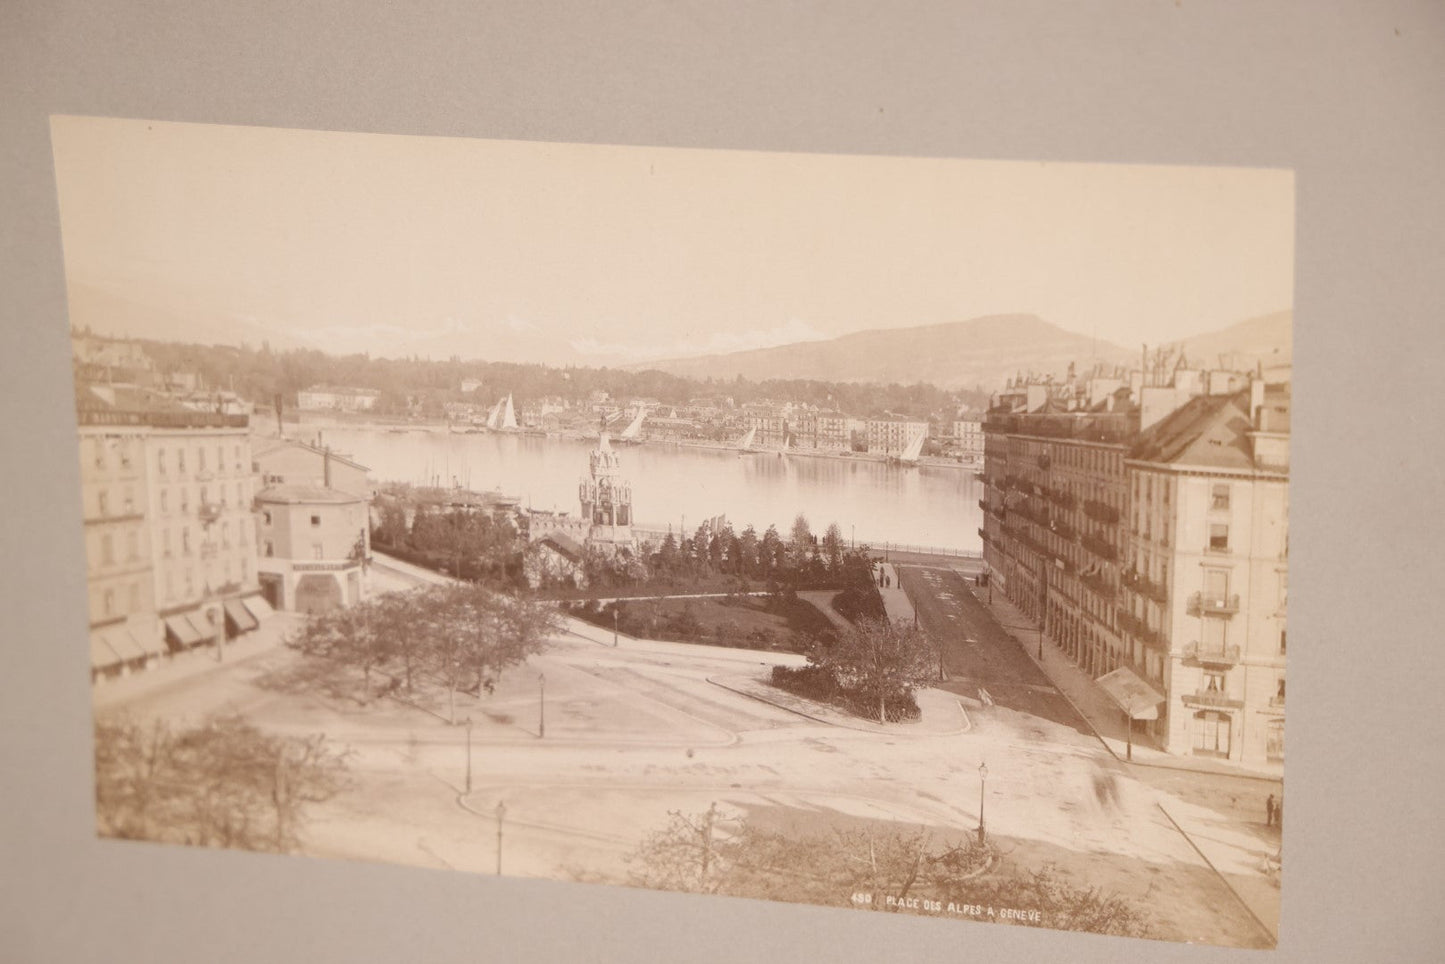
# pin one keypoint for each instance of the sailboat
(914, 450)
(746, 445)
(632, 434)
(509, 417)
(494, 417)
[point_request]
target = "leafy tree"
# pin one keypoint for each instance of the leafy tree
(800, 543)
(221, 784)
(833, 549)
(748, 548)
(881, 660)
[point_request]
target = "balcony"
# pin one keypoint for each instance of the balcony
(1136, 582)
(1213, 655)
(1099, 547)
(1137, 628)
(1207, 604)
(1211, 701)
(1101, 513)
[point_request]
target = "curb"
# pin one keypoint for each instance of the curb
(966, 728)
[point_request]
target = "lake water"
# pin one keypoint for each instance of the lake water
(933, 506)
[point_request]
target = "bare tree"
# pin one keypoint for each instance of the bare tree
(222, 784)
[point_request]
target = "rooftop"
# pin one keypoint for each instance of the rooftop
(306, 495)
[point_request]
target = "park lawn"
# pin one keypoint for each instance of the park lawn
(749, 622)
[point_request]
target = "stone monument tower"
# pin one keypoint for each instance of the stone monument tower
(606, 500)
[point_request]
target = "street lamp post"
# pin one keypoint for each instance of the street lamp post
(469, 754)
(614, 623)
(541, 705)
(501, 814)
(982, 778)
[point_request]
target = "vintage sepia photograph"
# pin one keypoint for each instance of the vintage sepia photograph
(897, 534)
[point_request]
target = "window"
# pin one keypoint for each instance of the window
(181, 460)
(1274, 740)
(124, 454)
(204, 493)
(1218, 538)
(1213, 684)
(166, 543)
(185, 499)
(200, 460)
(129, 500)
(132, 546)
(266, 516)
(315, 520)
(107, 550)
(170, 585)
(186, 540)
(1214, 630)
(161, 461)
(220, 458)
(270, 549)
(109, 601)
(1281, 642)
(100, 453)
(1279, 694)
(1219, 497)
(316, 551)
(103, 503)
(165, 501)
(190, 584)
(1216, 583)
(238, 458)
(134, 598)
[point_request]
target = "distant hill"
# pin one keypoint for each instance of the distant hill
(982, 351)
(1267, 340)
(166, 318)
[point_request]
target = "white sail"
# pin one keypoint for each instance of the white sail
(509, 416)
(635, 429)
(747, 442)
(914, 450)
(494, 417)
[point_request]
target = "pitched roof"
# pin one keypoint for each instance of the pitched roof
(265, 446)
(306, 495)
(1210, 431)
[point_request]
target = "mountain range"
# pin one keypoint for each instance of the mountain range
(981, 352)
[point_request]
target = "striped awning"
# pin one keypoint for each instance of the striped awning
(101, 655)
(259, 607)
(238, 618)
(123, 641)
(1133, 695)
(180, 631)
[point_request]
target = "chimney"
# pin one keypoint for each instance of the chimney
(280, 430)
(326, 467)
(1256, 403)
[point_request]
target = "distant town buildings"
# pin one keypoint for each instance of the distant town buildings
(322, 398)
(968, 438)
(891, 436)
(1142, 522)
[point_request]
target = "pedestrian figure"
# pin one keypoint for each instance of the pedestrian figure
(1269, 811)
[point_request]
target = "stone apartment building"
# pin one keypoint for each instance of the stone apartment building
(891, 436)
(170, 542)
(1143, 525)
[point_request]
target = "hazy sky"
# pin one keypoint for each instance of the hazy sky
(608, 255)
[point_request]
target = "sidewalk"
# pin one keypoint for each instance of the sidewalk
(196, 662)
(1103, 715)
(895, 601)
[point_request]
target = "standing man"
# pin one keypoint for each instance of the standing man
(1269, 811)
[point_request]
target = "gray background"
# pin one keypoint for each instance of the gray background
(1350, 96)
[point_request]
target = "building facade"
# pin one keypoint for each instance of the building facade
(1143, 526)
(320, 398)
(314, 544)
(891, 436)
(170, 542)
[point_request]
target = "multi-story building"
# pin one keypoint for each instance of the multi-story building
(315, 542)
(1208, 549)
(968, 435)
(825, 431)
(120, 577)
(336, 398)
(891, 436)
(771, 427)
(170, 538)
(1143, 526)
